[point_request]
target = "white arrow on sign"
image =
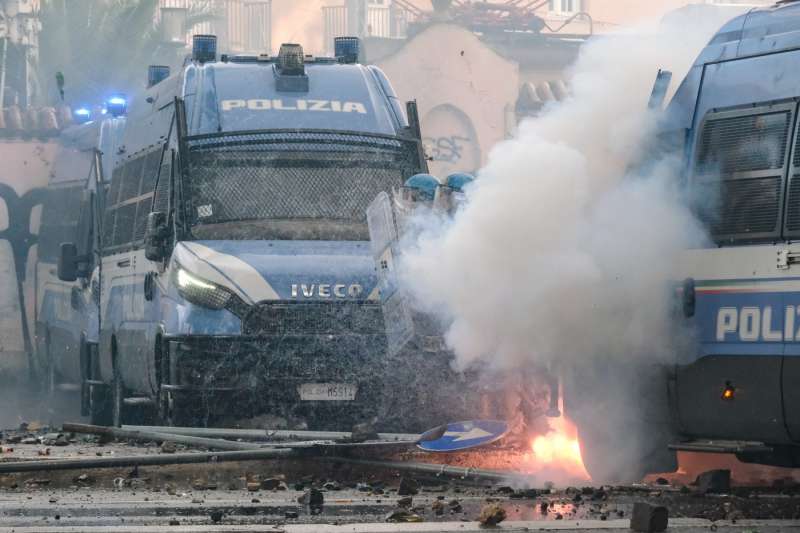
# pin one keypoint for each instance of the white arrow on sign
(472, 434)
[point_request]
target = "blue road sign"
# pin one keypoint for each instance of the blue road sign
(465, 435)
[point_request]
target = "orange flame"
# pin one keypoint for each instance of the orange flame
(557, 453)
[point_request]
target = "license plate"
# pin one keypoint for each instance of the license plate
(327, 392)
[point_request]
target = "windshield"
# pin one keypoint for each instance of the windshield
(287, 185)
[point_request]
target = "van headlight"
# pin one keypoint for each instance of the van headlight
(201, 292)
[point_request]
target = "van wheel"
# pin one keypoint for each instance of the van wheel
(177, 410)
(119, 411)
(623, 422)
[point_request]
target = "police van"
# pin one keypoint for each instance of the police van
(64, 306)
(236, 273)
(734, 387)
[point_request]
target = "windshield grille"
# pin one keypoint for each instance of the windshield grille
(292, 175)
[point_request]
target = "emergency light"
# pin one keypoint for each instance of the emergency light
(347, 49)
(204, 48)
(291, 60)
(82, 115)
(117, 105)
(156, 74)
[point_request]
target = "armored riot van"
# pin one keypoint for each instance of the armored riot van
(733, 384)
(236, 273)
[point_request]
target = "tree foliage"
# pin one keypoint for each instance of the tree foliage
(101, 46)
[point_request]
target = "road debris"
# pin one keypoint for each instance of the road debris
(491, 515)
(648, 518)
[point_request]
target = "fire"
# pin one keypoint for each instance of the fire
(557, 453)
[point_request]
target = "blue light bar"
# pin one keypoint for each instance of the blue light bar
(82, 115)
(347, 49)
(117, 105)
(204, 48)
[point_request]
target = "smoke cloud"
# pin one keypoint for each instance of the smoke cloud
(560, 253)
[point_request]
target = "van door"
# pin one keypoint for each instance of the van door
(144, 313)
(118, 272)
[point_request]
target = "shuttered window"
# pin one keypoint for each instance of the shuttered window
(739, 172)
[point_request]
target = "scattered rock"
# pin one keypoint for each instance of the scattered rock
(83, 480)
(291, 515)
(491, 515)
(216, 516)
(174, 522)
(455, 506)
(405, 501)
(714, 481)
(505, 489)
(332, 486)
(402, 515)
(363, 487)
(200, 484)
(312, 498)
(253, 486)
(662, 481)
(168, 447)
(61, 440)
(438, 507)
(647, 518)
(273, 483)
(543, 507)
(408, 487)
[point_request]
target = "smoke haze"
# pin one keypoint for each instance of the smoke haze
(558, 255)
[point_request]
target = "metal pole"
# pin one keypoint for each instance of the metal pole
(3, 74)
(214, 444)
(268, 434)
(147, 460)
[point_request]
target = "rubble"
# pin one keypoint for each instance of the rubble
(491, 515)
(403, 515)
(647, 518)
(408, 487)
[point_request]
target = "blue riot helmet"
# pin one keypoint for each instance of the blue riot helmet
(423, 185)
(459, 181)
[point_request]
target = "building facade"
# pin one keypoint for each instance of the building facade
(242, 26)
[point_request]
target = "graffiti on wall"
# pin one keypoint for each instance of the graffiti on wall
(450, 141)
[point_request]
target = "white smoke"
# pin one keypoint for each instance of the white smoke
(560, 254)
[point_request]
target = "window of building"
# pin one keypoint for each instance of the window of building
(566, 7)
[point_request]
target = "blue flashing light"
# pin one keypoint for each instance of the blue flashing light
(82, 115)
(347, 49)
(117, 105)
(424, 184)
(204, 48)
(459, 181)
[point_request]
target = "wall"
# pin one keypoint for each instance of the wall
(463, 90)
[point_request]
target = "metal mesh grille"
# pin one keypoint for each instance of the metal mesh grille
(744, 206)
(161, 202)
(328, 318)
(289, 175)
(793, 204)
(744, 144)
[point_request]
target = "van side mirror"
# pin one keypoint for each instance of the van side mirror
(155, 236)
(68, 262)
